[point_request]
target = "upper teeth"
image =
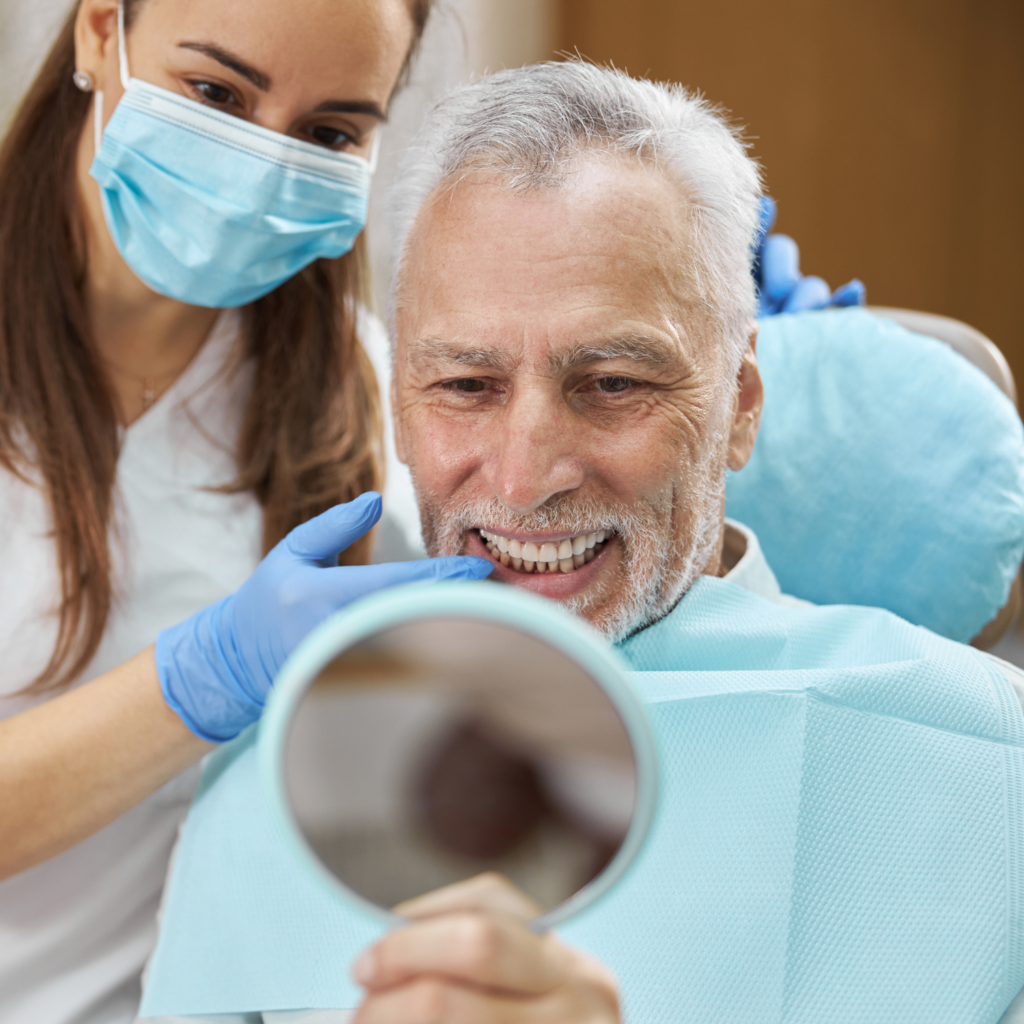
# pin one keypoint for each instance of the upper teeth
(549, 556)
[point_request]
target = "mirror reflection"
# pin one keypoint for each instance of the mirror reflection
(441, 748)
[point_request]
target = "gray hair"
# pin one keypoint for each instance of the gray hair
(531, 124)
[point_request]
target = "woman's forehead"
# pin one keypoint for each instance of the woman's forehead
(323, 46)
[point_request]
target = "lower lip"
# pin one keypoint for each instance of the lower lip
(547, 584)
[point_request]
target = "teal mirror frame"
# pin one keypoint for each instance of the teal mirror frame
(487, 601)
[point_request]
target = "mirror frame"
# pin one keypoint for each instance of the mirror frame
(490, 602)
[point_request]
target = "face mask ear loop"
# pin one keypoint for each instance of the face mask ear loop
(375, 150)
(97, 121)
(122, 49)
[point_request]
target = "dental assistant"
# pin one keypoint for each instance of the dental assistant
(182, 394)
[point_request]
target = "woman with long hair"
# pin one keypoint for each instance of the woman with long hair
(182, 391)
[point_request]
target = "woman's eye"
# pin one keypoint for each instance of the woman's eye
(613, 385)
(331, 137)
(214, 93)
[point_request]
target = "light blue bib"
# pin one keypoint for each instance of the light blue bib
(839, 840)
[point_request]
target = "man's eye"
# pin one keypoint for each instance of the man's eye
(468, 385)
(214, 93)
(331, 137)
(613, 385)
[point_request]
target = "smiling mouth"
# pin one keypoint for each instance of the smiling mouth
(551, 556)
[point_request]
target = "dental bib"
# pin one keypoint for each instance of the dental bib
(839, 840)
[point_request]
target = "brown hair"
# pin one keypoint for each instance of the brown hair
(310, 434)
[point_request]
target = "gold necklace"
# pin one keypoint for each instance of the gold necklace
(149, 383)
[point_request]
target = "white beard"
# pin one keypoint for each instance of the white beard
(660, 562)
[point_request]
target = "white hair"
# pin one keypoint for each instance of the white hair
(529, 126)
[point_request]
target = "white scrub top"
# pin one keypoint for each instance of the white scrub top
(76, 930)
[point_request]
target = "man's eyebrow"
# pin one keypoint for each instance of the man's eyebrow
(351, 107)
(434, 348)
(232, 62)
(638, 347)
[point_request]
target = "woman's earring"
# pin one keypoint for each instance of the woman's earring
(83, 80)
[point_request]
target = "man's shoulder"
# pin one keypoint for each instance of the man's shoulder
(1014, 675)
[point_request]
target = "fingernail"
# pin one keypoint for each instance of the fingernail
(364, 968)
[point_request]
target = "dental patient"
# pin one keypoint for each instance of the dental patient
(574, 371)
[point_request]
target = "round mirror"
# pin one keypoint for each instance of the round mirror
(430, 734)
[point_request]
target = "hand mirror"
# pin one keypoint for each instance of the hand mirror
(434, 732)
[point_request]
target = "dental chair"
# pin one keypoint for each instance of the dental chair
(979, 351)
(889, 468)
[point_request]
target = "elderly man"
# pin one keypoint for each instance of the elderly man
(574, 372)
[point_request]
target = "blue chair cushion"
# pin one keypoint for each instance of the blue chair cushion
(888, 471)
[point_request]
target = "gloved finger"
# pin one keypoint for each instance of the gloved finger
(323, 537)
(853, 293)
(780, 266)
(766, 306)
(768, 213)
(809, 293)
(355, 581)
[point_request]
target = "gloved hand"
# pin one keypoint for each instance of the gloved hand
(780, 286)
(216, 668)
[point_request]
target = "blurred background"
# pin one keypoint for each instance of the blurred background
(891, 132)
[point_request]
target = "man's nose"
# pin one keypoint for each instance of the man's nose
(535, 452)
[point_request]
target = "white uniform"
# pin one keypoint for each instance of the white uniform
(76, 930)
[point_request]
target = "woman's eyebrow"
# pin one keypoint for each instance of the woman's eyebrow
(230, 61)
(351, 107)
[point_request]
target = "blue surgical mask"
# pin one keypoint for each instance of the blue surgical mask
(212, 210)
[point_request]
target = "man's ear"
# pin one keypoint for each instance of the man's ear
(96, 43)
(747, 408)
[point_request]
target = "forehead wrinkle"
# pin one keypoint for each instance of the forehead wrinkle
(422, 349)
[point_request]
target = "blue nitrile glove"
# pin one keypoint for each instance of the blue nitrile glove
(216, 668)
(780, 286)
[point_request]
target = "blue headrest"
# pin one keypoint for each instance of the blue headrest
(888, 471)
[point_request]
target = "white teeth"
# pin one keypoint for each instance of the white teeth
(550, 556)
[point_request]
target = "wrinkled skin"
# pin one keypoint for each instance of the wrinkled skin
(554, 372)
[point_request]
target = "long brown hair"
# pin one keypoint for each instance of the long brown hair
(311, 432)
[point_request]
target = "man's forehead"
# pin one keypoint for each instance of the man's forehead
(599, 209)
(599, 262)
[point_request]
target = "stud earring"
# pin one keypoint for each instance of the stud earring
(83, 80)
